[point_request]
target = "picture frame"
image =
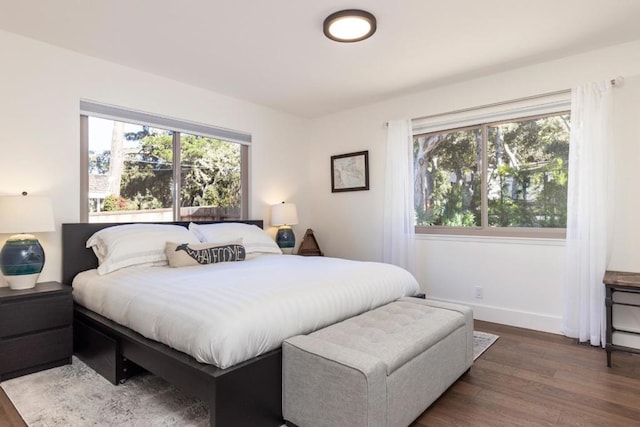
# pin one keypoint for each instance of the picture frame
(350, 172)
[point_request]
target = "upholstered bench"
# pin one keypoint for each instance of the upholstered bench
(381, 368)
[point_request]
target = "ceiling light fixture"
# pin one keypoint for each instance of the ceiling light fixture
(348, 26)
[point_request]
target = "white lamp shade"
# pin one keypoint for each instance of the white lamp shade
(284, 214)
(26, 214)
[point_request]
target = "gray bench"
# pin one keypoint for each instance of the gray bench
(381, 368)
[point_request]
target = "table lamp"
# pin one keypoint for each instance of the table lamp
(284, 215)
(22, 256)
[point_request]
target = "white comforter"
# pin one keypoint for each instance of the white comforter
(227, 313)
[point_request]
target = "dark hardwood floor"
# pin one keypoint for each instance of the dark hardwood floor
(530, 378)
(9, 417)
(526, 378)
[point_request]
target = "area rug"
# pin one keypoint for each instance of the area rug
(481, 342)
(75, 395)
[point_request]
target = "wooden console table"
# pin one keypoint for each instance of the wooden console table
(619, 281)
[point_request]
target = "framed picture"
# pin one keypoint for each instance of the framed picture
(350, 172)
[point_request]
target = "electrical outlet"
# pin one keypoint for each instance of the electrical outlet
(478, 292)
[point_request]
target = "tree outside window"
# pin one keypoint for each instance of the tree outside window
(504, 175)
(133, 176)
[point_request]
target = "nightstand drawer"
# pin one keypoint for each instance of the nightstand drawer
(35, 349)
(35, 314)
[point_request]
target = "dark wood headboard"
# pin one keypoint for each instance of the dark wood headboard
(76, 257)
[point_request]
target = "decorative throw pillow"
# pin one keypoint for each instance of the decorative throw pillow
(188, 254)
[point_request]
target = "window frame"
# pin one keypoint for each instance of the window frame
(484, 229)
(177, 127)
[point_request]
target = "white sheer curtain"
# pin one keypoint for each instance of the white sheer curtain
(399, 227)
(588, 212)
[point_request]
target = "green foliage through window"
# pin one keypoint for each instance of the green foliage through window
(522, 166)
(136, 172)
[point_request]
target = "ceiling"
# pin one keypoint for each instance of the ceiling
(274, 53)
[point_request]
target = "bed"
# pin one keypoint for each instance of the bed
(245, 387)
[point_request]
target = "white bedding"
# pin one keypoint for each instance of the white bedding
(226, 313)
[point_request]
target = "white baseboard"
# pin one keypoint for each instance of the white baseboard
(506, 316)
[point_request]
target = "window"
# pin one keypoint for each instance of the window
(502, 177)
(148, 168)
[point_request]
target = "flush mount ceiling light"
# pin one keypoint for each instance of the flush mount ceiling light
(348, 26)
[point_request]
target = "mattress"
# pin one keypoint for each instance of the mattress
(223, 314)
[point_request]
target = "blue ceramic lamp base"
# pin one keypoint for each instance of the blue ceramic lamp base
(286, 239)
(21, 261)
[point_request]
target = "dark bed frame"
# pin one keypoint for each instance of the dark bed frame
(247, 394)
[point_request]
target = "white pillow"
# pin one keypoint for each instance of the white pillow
(254, 239)
(135, 244)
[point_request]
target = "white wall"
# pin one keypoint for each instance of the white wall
(40, 89)
(522, 279)
(41, 86)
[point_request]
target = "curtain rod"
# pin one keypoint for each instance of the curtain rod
(616, 82)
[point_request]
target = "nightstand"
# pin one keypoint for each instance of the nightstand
(35, 329)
